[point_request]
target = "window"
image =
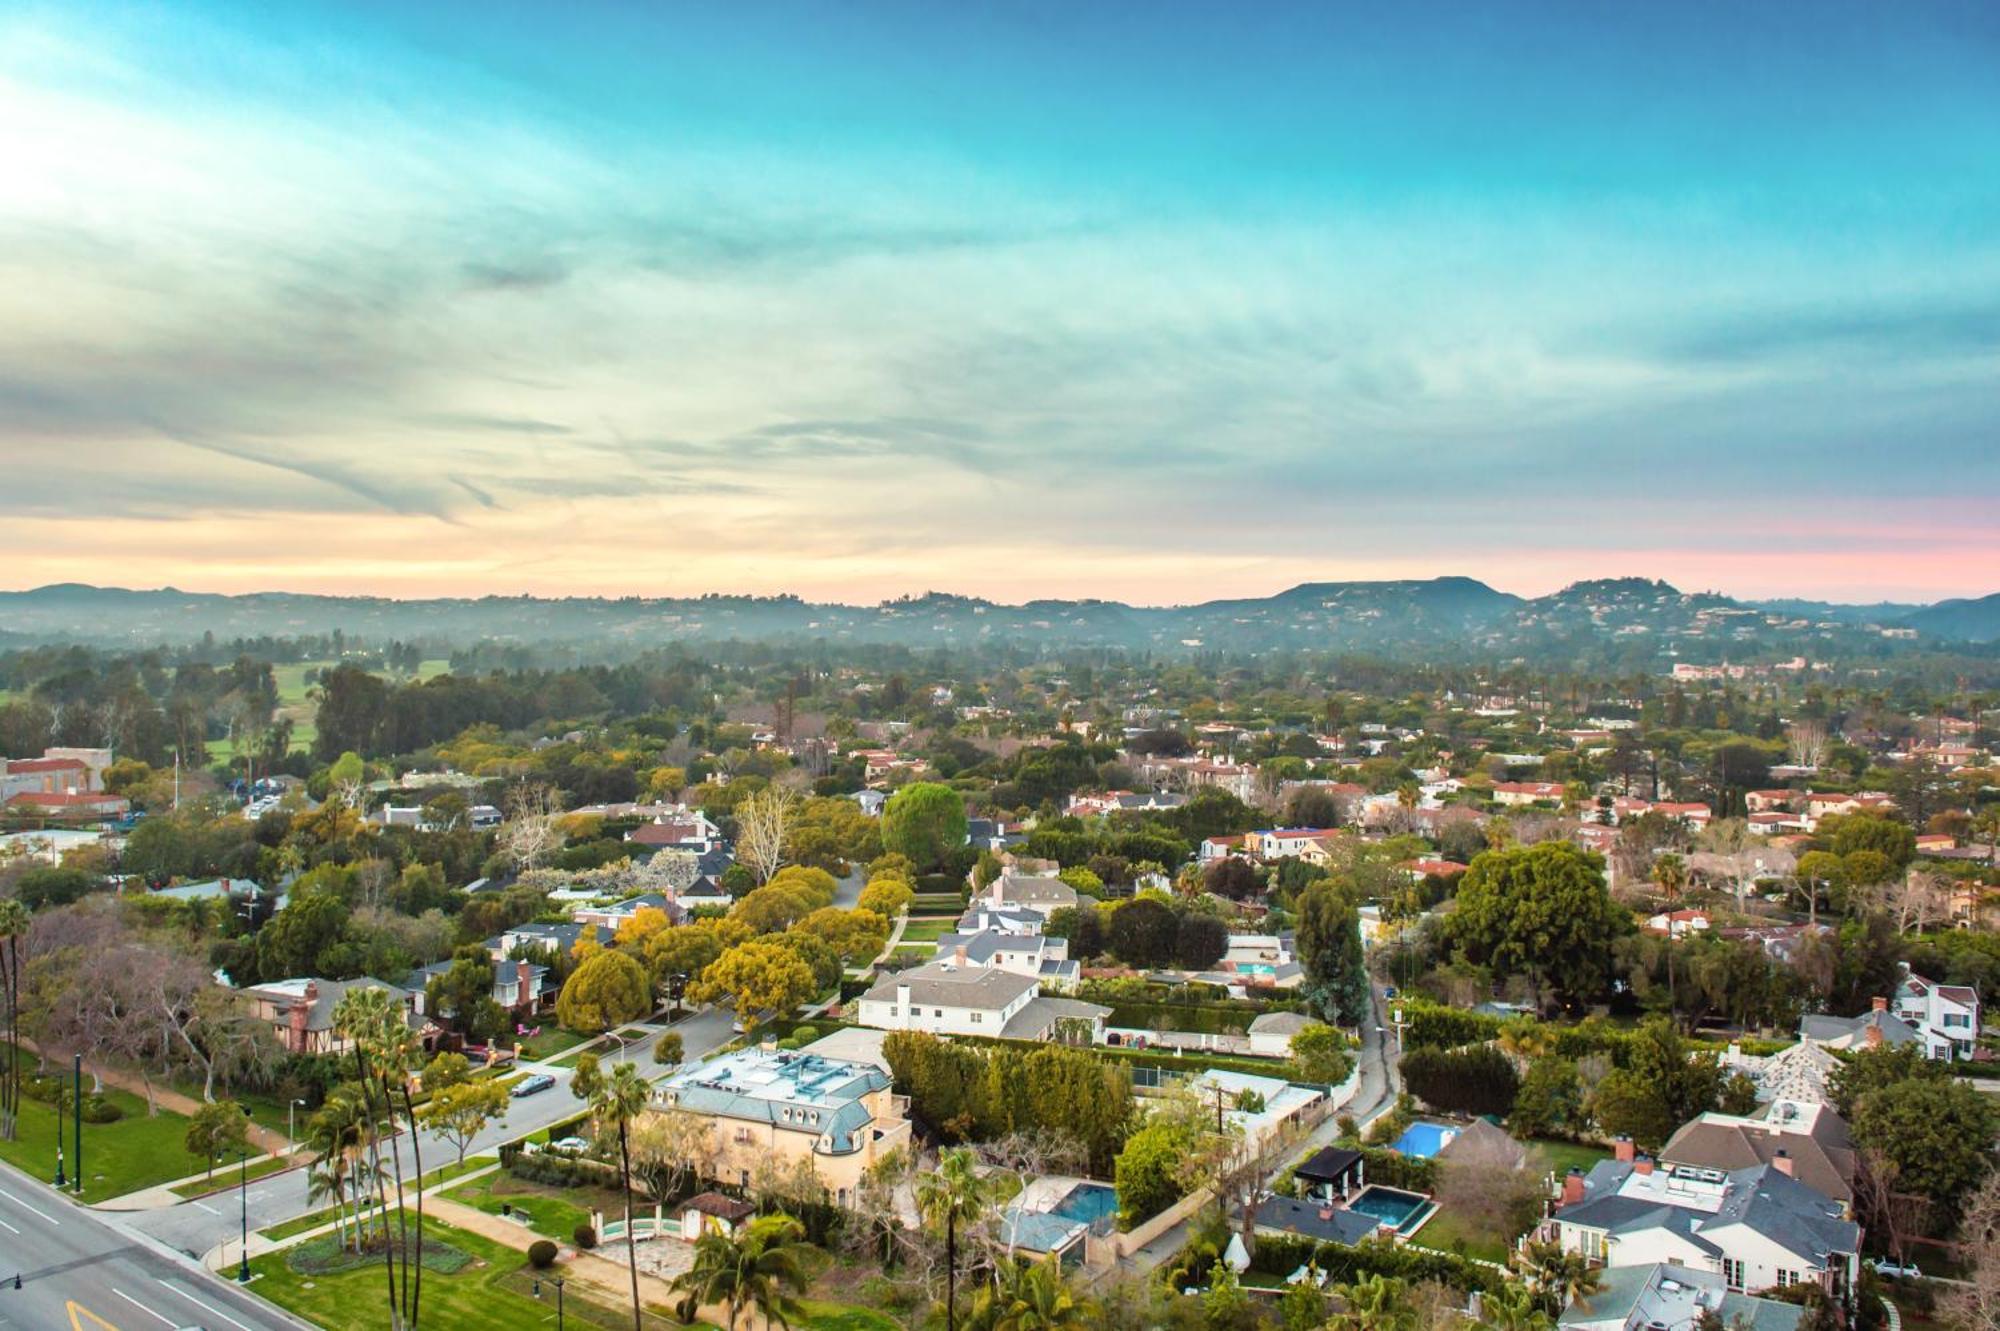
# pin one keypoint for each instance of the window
(1732, 1273)
(1591, 1243)
(978, 1017)
(1787, 1278)
(1957, 1019)
(937, 1012)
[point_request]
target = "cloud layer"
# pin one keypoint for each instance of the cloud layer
(339, 305)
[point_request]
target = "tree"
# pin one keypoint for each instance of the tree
(14, 922)
(764, 1265)
(1319, 1055)
(1147, 1174)
(385, 1049)
(685, 950)
(533, 832)
(668, 1049)
(1143, 932)
(1624, 1105)
(1938, 1133)
(1559, 1278)
(617, 1100)
(856, 935)
(761, 976)
(1329, 949)
(887, 897)
(461, 1112)
(1976, 1300)
(1475, 1080)
(1876, 1067)
(1200, 940)
(950, 1197)
(461, 999)
(447, 1069)
(772, 908)
(607, 990)
(1550, 1099)
(669, 1147)
(763, 824)
(1034, 1298)
(1543, 911)
(345, 777)
(924, 821)
(1233, 877)
(215, 1130)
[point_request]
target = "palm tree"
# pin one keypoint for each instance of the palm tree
(1034, 1298)
(1512, 1307)
(1524, 1039)
(951, 1195)
(1378, 1303)
(763, 1265)
(14, 919)
(335, 1132)
(373, 1025)
(620, 1098)
(1670, 876)
(1559, 1277)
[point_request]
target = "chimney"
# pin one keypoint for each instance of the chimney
(1326, 1213)
(1643, 1165)
(1572, 1187)
(903, 1003)
(1874, 1036)
(1621, 1149)
(1782, 1162)
(959, 953)
(1879, 1003)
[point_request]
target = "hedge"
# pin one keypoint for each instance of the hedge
(1280, 1255)
(562, 1171)
(1393, 1169)
(1200, 1019)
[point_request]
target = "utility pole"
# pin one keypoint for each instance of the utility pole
(76, 1106)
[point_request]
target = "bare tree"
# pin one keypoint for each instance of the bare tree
(668, 1148)
(762, 823)
(1030, 1154)
(670, 871)
(1974, 1303)
(1919, 900)
(1806, 742)
(533, 830)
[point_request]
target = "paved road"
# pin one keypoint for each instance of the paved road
(847, 891)
(196, 1227)
(81, 1272)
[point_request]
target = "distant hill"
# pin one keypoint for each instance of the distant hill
(1960, 620)
(1606, 621)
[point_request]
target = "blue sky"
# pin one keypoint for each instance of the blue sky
(1153, 301)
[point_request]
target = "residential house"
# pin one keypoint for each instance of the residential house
(1032, 892)
(1527, 794)
(1332, 1174)
(1758, 1228)
(776, 1108)
(518, 986)
(948, 999)
(1322, 1222)
(1880, 1026)
(612, 916)
(1664, 1296)
(1946, 1015)
(301, 1011)
(1032, 954)
(1271, 1033)
(1809, 1141)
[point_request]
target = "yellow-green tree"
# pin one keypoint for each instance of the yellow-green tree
(760, 976)
(607, 990)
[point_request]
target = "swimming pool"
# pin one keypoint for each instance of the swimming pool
(1402, 1211)
(1092, 1203)
(1424, 1140)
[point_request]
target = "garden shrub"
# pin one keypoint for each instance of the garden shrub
(585, 1236)
(542, 1254)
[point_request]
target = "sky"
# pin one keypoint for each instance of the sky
(1154, 301)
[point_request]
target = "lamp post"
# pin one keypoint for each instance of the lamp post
(76, 1104)
(291, 1131)
(676, 986)
(558, 1283)
(243, 1196)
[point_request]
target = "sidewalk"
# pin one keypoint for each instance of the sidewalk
(163, 1194)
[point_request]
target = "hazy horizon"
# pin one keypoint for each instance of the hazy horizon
(1161, 304)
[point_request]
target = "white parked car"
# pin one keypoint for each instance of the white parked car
(570, 1145)
(1887, 1266)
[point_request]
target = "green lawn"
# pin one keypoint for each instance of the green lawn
(1445, 1231)
(227, 1175)
(928, 928)
(1563, 1156)
(552, 1041)
(554, 1212)
(844, 1317)
(496, 1289)
(133, 1153)
(325, 1215)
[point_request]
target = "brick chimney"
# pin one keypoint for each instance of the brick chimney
(1621, 1149)
(1879, 1003)
(1782, 1162)
(1326, 1213)
(1873, 1036)
(1643, 1165)
(1572, 1187)
(959, 953)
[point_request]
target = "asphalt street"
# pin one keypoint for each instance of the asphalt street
(81, 1272)
(196, 1227)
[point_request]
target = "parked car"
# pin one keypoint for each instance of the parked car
(570, 1145)
(1888, 1266)
(541, 1081)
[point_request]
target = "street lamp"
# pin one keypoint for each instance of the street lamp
(291, 1134)
(558, 1283)
(676, 986)
(243, 1194)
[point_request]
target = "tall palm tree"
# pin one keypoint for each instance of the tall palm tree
(14, 920)
(764, 1265)
(336, 1132)
(620, 1098)
(951, 1195)
(1034, 1298)
(1670, 876)
(373, 1024)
